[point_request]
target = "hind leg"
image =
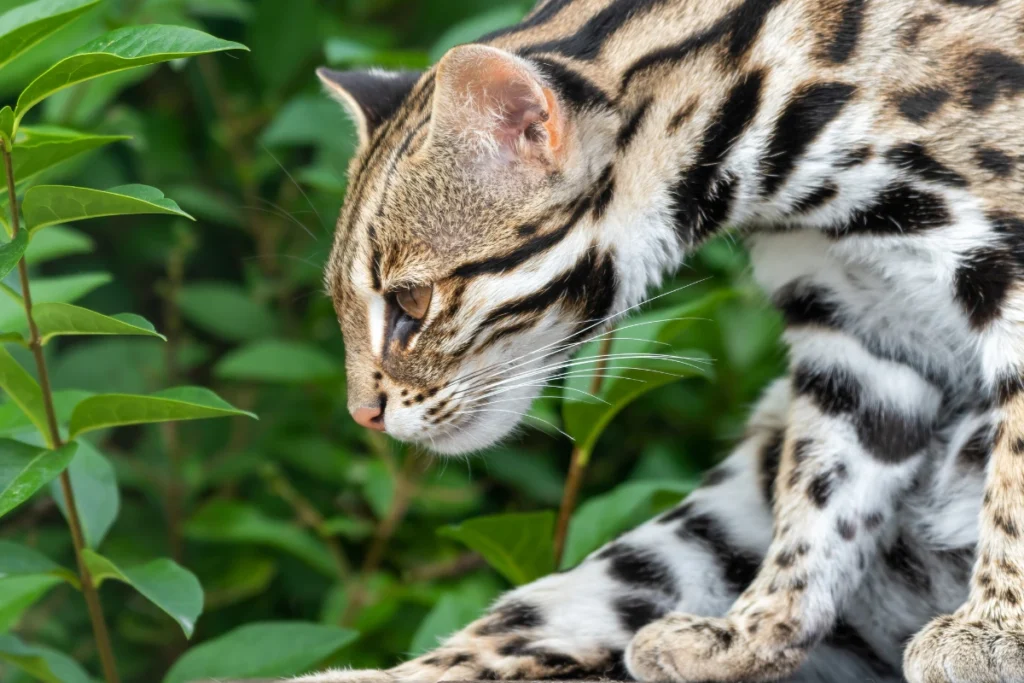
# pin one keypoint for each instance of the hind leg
(983, 642)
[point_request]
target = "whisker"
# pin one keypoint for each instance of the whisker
(297, 186)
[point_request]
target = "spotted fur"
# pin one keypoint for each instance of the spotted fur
(871, 154)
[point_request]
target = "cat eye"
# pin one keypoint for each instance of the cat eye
(415, 300)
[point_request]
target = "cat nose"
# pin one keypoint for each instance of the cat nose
(371, 417)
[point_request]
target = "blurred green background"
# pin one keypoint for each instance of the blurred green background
(302, 516)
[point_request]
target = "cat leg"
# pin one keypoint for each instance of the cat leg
(983, 641)
(857, 432)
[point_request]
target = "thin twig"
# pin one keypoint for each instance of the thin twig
(580, 458)
(92, 598)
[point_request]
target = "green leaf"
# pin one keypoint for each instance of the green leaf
(163, 582)
(222, 521)
(310, 120)
(225, 310)
(268, 649)
(12, 252)
(278, 361)
(169, 405)
(15, 424)
(18, 593)
(645, 359)
(25, 469)
(23, 390)
(473, 28)
(23, 27)
(39, 149)
(45, 664)
(519, 546)
(121, 49)
(97, 496)
(64, 289)
(602, 518)
(55, 319)
(51, 204)
(20, 560)
(56, 242)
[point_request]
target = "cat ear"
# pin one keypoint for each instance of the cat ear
(497, 101)
(370, 97)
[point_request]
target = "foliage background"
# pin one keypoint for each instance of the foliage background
(302, 516)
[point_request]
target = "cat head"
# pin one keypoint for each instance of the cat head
(467, 262)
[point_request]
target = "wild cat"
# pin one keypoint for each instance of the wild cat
(871, 152)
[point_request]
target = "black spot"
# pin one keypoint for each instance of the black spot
(1006, 525)
(514, 648)
(844, 42)
(1017, 447)
(554, 660)
(512, 616)
(973, 3)
(639, 568)
(580, 92)
(913, 157)
(676, 514)
(486, 674)
(694, 190)
(824, 484)
(771, 456)
(890, 435)
(902, 560)
(916, 26)
(834, 391)
(853, 157)
(845, 637)
(1009, 387)
(635, 612)
(816, 198)
(898, 210)
(994, 73)
(528, 230)
(847, 529)
(785, 559)
(738, 567)
(975, 453)
(461, 658)
(684, 113)
(805, 116)
(716, 476)
(994, 160)
(982, 283)
(716, 209)
(803, 303)
(632, 125)
(919, 104)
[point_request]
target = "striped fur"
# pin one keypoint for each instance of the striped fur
(870, 152)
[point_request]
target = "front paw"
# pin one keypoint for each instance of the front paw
(954, 650)
(686, 649)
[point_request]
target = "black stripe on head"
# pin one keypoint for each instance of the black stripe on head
(816, 198)
(604, 192)
(915, 158)
(579, 91)
(994, 74)
(375, 258)
(738, 567)
(899, 210)
(806, 115)
(844, 42)
(632, 125)
(803, 303)
(639, 568)
(745, 24)
(587, 42)
(919, 104)
(694, 191)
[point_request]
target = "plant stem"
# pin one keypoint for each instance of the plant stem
(92, 598)
(578, 464)
(174, 491)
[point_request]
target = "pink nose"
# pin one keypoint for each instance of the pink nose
(370, 417)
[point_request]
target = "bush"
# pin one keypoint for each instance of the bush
(202, 548)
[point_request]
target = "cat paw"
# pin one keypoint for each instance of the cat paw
(954, 650)
(688, 649)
